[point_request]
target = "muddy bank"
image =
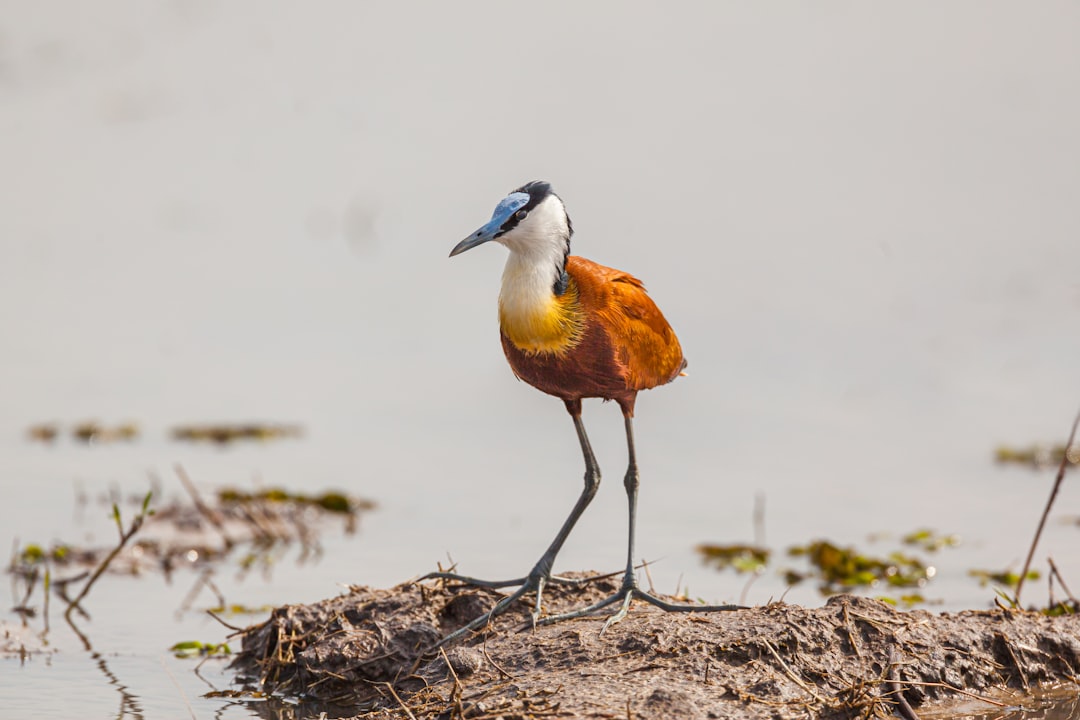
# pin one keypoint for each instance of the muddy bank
(363, 652)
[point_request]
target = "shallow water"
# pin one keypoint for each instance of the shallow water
(1057, 703)
(860, 221)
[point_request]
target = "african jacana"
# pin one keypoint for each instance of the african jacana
(574, 329)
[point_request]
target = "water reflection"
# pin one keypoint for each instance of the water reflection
(129, 702)
(248, 531)
(1052, 704)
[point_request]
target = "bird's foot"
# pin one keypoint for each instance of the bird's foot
(494, 584)
(535, 581)
(625, 596)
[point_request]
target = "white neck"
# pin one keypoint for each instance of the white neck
(538, 248)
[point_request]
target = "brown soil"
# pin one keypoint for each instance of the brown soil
(363, 655)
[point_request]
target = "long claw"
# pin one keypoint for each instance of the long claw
(626, 595)
(621, 614)
(495, 584)
(539, 601)
(499, 609)
(583, 612)
(533, 581)
(473, 581)
(536, 581)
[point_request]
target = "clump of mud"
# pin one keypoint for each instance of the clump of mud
(369, 654)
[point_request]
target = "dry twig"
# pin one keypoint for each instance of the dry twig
(795, 678)
(895, 690)
(125, 536)
(1046, 511)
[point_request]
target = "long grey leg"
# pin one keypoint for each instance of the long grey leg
(592, 483)
(539, 576)
(630, 589)
(631, 482)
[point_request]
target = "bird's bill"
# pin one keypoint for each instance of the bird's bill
(479, 237)
(503, 211)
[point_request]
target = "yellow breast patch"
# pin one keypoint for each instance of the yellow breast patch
(551, 326)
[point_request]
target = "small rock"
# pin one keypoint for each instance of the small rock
(464, 608)
(465, 661)
(666, 704)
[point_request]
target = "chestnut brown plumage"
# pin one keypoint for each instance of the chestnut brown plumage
(574, 329)
(625, 345)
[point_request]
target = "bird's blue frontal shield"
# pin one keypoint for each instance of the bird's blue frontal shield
(504, 211)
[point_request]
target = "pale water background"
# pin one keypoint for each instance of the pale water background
(863, 222)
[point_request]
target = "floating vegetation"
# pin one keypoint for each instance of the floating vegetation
(27, 559)
(36, 554)
(1038, 456)
(194, 648)
(930, 540)
(88, 432)
(94, 432)
(238, 609)
(909, 600)
(741, 558)
(229, 433)
(1065, 607)
(1061, 608)
(843, 569)
(1006, 578)
(32, 567)
(237, 694)
(43, 432)
(250, 530)
(332, 501)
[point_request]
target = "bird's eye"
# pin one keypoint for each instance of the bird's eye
(522, 214)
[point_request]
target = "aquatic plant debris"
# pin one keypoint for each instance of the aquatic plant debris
(1006, 578)
(92, 432)
(240, 529)
(741, 558)
(364, 653)
(840, 569)
(95, 432)
(331, 501)
(930, 540)
(88, 432)
(1038, 457)
(223, 434)
(43, 432)
(196, 648)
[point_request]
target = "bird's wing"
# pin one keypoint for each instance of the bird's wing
(645, 346)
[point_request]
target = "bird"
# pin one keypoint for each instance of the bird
(574, 329)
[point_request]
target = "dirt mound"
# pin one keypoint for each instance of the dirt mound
(368, 654)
